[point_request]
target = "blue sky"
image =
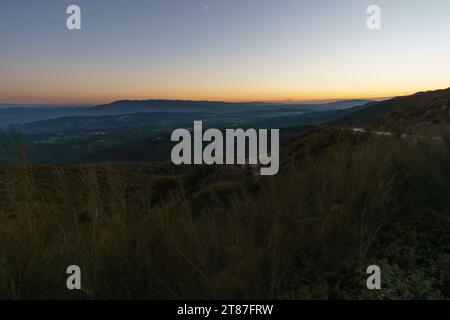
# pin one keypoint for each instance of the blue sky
(221, 50)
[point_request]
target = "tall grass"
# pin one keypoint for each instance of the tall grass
(308, 233)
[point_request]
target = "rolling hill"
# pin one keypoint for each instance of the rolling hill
(402, 113)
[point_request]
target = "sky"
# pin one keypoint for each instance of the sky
(233, 50)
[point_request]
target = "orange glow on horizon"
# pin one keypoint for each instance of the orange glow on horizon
(314, 97)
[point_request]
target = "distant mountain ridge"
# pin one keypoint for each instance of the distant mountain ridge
(128, 106)
(22, 114)
(35, 105)
(139, 130)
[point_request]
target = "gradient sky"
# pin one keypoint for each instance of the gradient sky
(221, 50)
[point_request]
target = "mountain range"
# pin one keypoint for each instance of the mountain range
(140, 130)
(11, 114)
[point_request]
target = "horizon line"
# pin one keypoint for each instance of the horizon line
(279, 101)
(286, 101)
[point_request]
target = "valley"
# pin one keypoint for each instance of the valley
(105, 130)
(351, 192)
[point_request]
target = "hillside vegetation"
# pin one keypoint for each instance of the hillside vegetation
(427, 111)
(343, 201)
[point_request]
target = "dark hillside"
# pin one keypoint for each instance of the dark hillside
(407, 110)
